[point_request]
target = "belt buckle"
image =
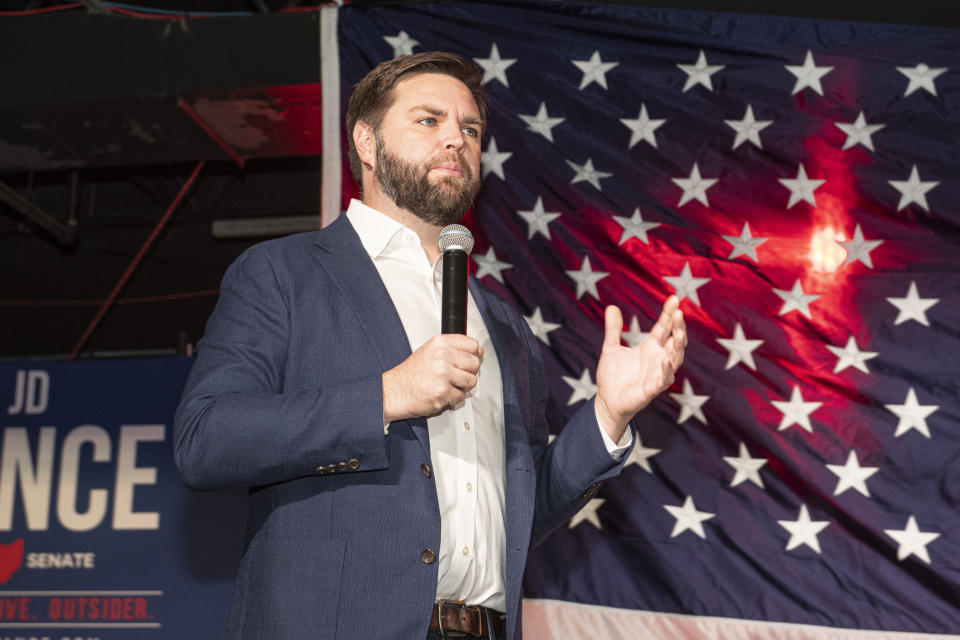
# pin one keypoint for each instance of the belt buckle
(459, 603)
(480, 617)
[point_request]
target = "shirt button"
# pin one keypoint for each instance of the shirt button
(469, 487)
(466, 551)
(466, 425)
(428, 556)
(426, 469)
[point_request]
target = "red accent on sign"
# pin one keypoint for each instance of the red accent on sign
(11, 557)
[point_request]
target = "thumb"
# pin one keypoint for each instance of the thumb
(612, 327)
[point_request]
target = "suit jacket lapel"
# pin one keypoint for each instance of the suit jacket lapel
(347, 264)
(517, 412)
(516, 397)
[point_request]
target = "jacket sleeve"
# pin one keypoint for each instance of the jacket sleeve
(242, 422)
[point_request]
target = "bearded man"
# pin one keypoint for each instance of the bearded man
(397, 478)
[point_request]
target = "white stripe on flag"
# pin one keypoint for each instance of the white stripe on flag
(330, 102)
(559, 620)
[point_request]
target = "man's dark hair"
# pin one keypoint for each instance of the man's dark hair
(374, 94)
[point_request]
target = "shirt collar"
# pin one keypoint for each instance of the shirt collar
(376, 230)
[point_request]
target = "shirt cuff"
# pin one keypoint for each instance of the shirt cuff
(617, 449)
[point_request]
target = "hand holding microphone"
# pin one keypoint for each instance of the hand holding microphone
(444, 369)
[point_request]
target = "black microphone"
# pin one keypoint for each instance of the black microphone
(455, 242)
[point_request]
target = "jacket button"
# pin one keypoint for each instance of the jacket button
(354, 463)
(331, 468)
(321, 470)
(428, 556)
(342, 466)
(426, 469)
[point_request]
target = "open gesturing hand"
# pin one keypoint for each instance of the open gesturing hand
(629, 378)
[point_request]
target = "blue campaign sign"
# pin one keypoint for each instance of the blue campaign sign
(98, 538)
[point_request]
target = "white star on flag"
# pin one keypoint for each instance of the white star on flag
(541, 122)
(912, 307)
(688, 518)
(538, 219)
(699, 73)
(744, 244)
(495, 67)
(795, 299)
(402, 44)
(587, 279)
(801, 187)
(746, 468)
(642, 128)
(808, 75)
(641, 455)
(583, 388)
(634, 227)
(741, 349)
(921, 77)
(859, 249)
(588, 513)
(858, 132)
(796, 410)
(594, 70)
(492, 160)
(912, 414)
(488, 264)
(690, 403)
(586, 173)
(540, 327)
(635, 336)
(685, 285)
(912, 541)
(694, 187)
(748, 129)
(851, 356)
(913, 189)
(851, 475)
(803, 530)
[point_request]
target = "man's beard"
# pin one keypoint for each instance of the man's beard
(439, 203)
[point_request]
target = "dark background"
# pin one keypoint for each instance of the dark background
(104, 115)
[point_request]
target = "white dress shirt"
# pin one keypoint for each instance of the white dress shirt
(466, 442)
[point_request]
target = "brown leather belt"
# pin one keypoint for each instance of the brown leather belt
(453, 616)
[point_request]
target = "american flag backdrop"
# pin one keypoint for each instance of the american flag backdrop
(797, 183)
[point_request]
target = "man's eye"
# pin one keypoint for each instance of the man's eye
(430, 122)
(470, 131)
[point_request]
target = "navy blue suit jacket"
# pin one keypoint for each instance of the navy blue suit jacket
(285, 398)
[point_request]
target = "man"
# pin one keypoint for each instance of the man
(397, 477)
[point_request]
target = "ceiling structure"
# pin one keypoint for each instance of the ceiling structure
(106, 112)
(100, 127)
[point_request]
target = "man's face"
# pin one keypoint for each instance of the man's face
(428, 148)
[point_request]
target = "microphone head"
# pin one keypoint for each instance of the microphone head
(455, 236)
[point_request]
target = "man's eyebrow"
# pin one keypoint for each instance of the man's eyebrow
(432, 110)
(437, 111)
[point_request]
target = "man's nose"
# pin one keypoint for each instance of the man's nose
(453, 136)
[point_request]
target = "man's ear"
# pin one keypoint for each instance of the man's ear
(365, 143)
